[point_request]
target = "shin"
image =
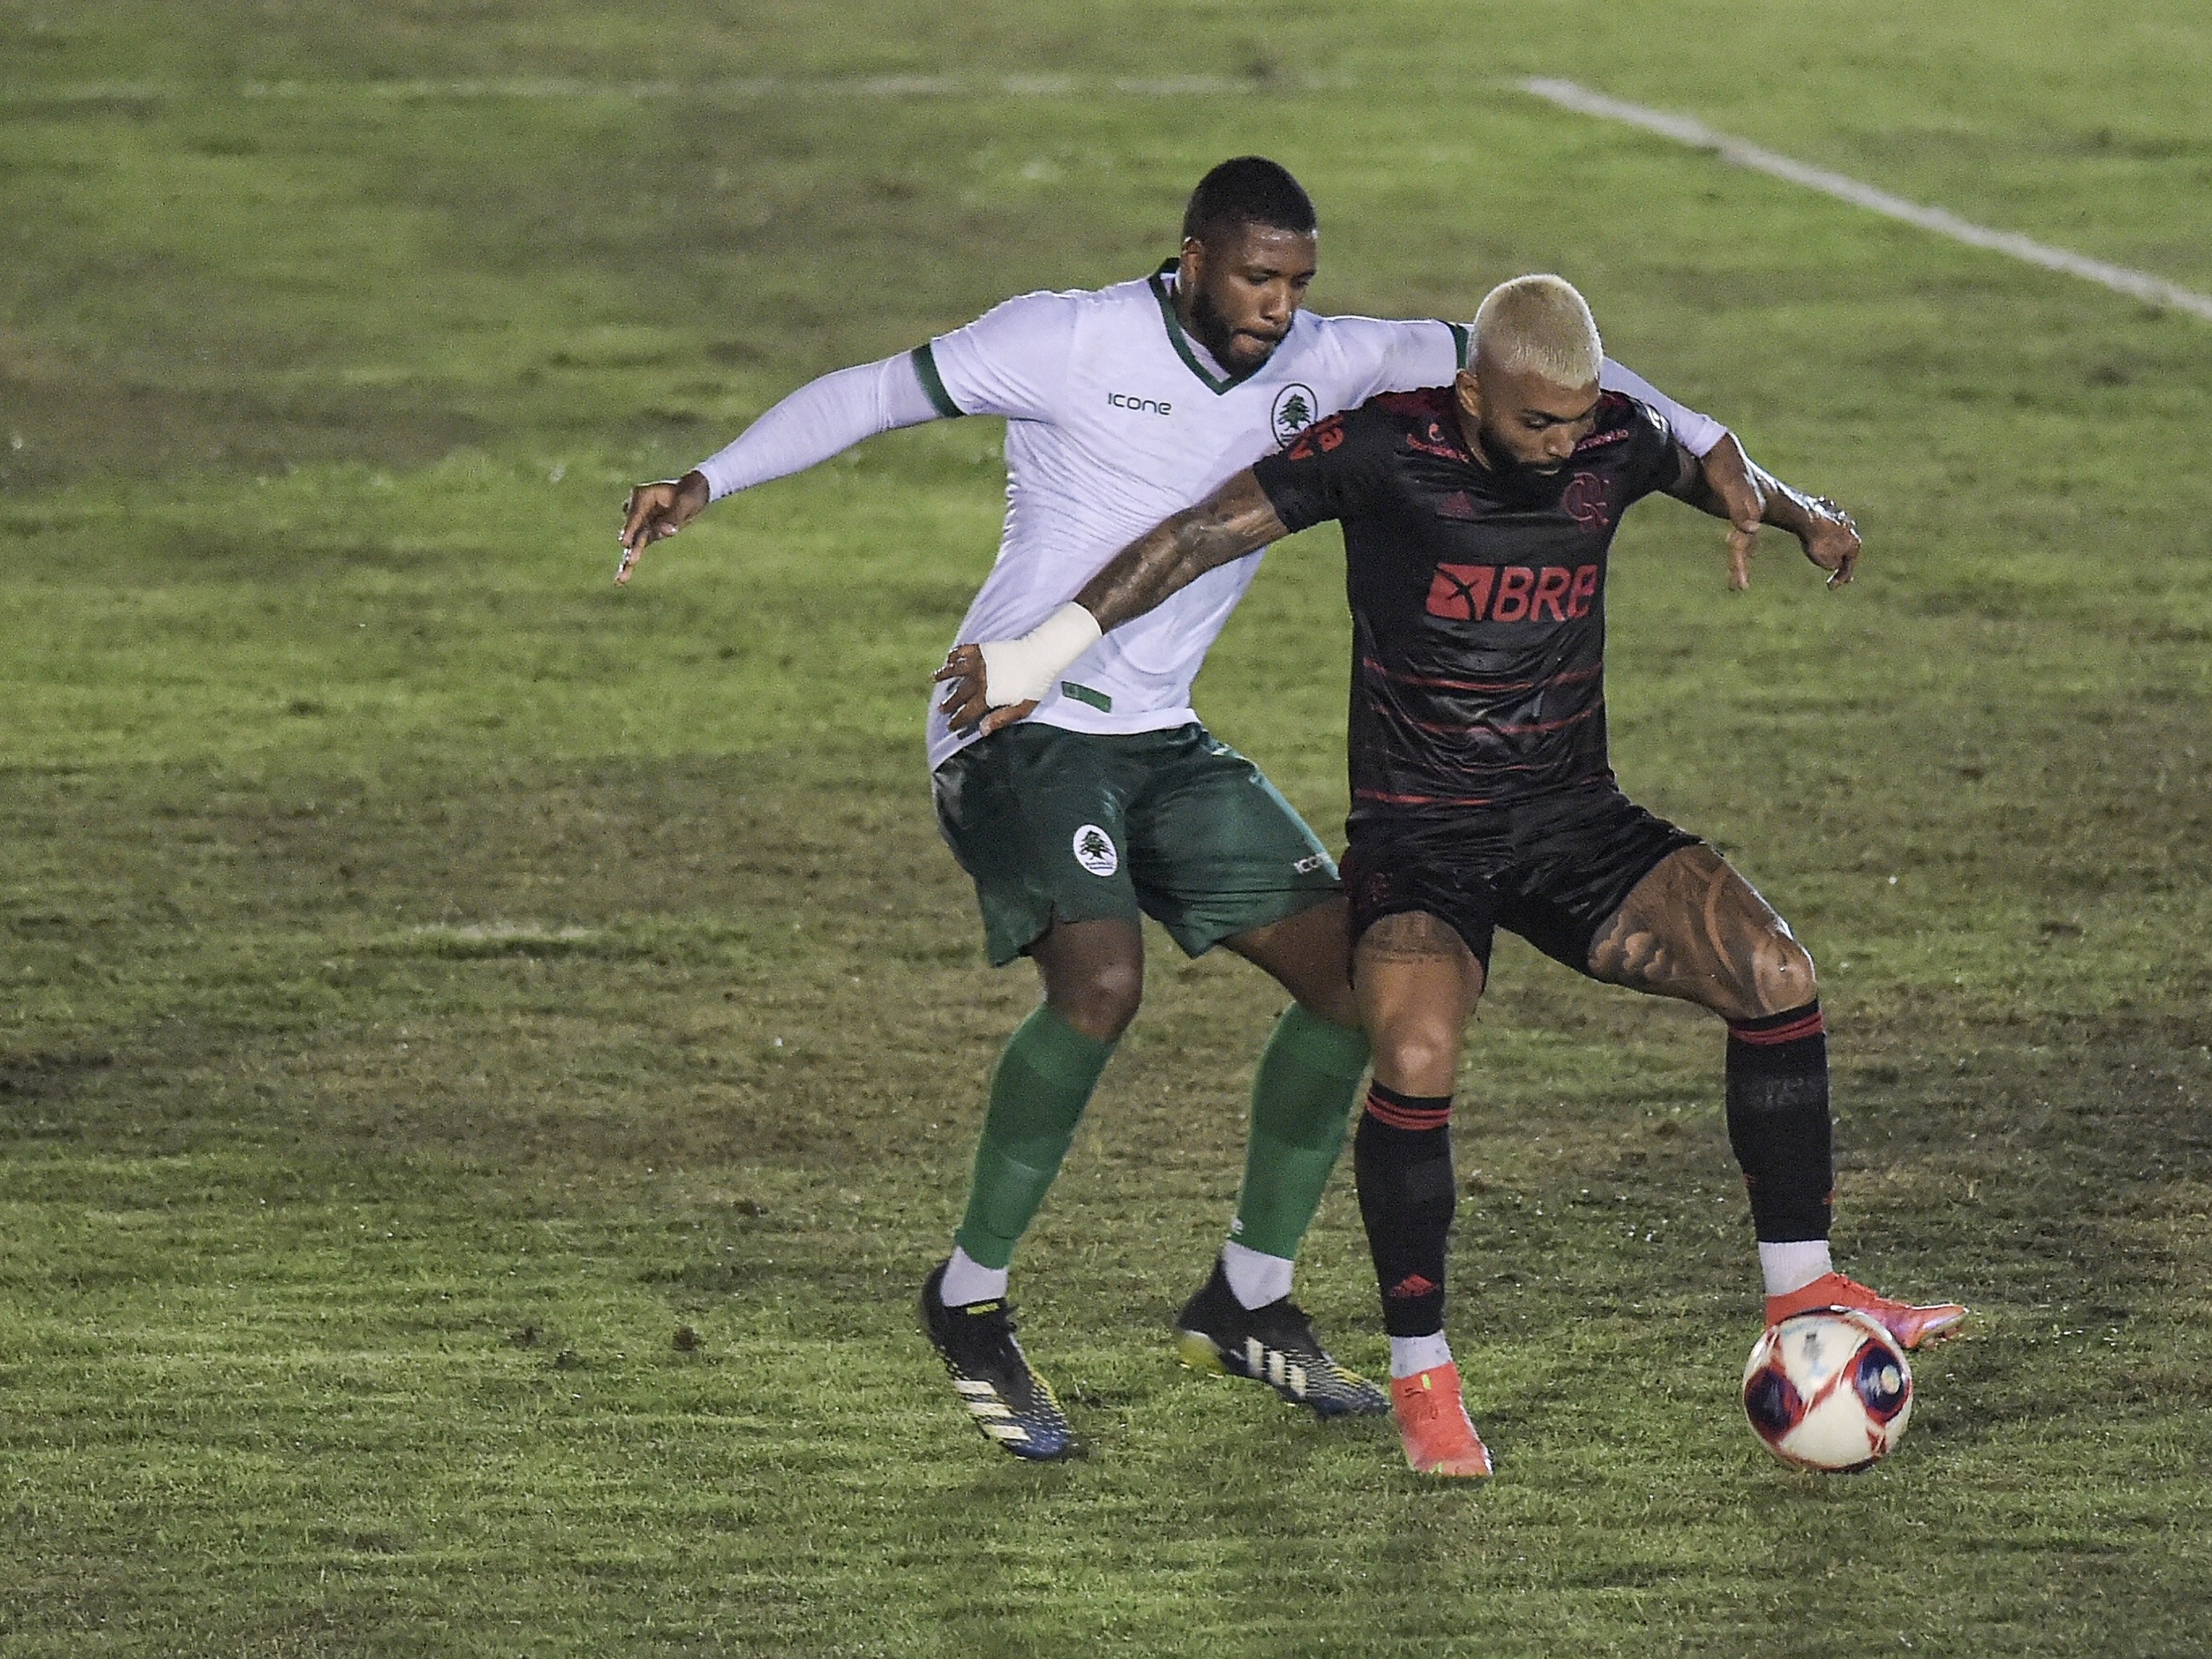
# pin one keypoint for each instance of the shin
(1416, 983)
(1694, 929)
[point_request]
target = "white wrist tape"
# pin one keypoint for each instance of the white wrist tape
(1023, 670)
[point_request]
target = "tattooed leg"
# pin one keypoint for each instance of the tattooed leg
(1695, 929)
(1417, 982)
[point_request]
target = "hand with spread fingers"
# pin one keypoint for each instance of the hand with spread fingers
(967, 701)
(999, 681)
(655, 512)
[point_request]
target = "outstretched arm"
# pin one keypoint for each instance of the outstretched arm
(1825, 531)
(1009, 362)
(997, 682)
(823, 418)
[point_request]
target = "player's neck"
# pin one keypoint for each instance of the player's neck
(1204, 333)
(1470, 437)
(1193, 327)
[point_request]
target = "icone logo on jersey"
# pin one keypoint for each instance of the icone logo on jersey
(1141, 406)
(1512, 592)
(1294, 411)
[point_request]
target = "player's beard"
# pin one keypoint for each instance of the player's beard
(1214, 331)
(1516, 479)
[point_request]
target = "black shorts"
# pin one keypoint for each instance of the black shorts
(1552, 869)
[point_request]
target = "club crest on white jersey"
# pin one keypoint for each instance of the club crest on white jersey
(1295, 409)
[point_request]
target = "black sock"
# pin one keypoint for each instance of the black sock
(1777, 1122)
(1402, 1157)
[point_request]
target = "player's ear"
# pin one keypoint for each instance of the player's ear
(1191, 269)
(1468, 390)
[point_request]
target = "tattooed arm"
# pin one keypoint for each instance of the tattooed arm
(994, 685)
(1237, 518)
(1831, 540)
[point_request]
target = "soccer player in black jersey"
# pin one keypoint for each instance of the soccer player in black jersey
(1477, 520)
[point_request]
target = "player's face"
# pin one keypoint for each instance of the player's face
(1243, 291)
(1524, 420)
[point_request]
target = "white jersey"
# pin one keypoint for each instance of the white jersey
(1116, 419)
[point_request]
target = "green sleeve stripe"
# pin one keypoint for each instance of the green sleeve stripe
(925, 368)
(1459, 340)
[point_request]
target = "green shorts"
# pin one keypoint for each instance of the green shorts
(1068, 826)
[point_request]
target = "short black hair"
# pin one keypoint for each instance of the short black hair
(1248, 190)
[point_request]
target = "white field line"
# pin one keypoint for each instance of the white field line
(2138, 284)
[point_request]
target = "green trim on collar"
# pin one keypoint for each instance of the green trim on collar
(1176, 338)
(1459, 340)
(925, 368)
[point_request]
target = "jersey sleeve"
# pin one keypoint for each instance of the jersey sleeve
(1653, 464)
(1393, 357)
(1336, 467)
(1012, 361)
(1697, 432)
(823, 417)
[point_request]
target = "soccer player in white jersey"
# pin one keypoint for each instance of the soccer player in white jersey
(1111, 801)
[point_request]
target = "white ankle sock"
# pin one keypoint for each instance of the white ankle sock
(1412, 1355)
(1256, 1277)
(969, 1280)
(1787, 1267)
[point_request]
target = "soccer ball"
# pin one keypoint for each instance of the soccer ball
(1828, 1390)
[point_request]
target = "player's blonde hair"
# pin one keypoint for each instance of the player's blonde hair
(1540, 325)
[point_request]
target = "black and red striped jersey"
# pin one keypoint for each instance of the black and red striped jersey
(1478, 595)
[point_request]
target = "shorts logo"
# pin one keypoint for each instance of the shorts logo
(1293, 413)
(1309, 863)
(1094, 851)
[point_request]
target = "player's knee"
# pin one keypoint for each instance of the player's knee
(1782, 976)
(1417, 1057)
(1100, 999)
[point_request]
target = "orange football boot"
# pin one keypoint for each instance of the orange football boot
(1910, 1325)
(1432, 1421)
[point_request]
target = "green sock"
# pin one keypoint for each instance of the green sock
(1042, 1083)
(1301, 1098)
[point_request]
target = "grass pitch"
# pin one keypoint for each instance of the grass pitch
(485, 1060)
